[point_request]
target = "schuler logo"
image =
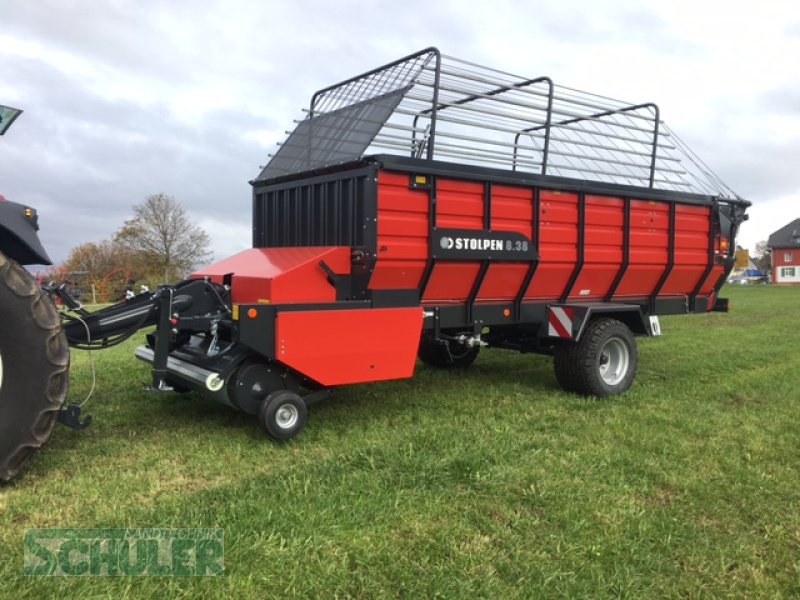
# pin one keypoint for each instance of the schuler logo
(124, 552)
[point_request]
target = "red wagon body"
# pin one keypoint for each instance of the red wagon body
(432, 207)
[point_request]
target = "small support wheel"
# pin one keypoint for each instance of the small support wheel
(282, 414)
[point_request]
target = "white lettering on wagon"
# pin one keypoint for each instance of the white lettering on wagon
(465, 243)
(477, 244)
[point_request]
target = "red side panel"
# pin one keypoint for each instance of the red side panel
(604, 219)
(280, 275)
(402, 234)
(512, 210)
(459, 206)
(558, 245)
(649, 249)
(403, 247)
(502, 281)
(691, 250)
(337, 347)
(451, 281)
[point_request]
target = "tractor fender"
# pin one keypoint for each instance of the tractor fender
(568, 321)
(18, 238)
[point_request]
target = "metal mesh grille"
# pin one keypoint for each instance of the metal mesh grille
(378, 82)
(440, 107)
(333, 137)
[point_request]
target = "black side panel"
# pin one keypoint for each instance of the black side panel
(329, 210)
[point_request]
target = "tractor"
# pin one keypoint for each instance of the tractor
(34, 354)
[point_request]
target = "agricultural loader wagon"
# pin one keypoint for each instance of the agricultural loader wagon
(427, 209)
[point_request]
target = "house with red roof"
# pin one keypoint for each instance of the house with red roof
(785, 247)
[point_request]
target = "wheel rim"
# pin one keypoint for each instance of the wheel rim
(615, 360)
(286, 416)
(459, 350)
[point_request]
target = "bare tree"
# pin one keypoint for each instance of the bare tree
(763, 257)
(164, 235)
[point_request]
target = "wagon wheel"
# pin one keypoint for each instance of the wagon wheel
(602, 363)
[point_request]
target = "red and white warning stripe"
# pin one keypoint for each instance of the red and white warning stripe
(559, 322)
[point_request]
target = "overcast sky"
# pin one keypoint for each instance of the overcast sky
(127, 98)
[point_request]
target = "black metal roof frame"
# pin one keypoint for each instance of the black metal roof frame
(457, 111)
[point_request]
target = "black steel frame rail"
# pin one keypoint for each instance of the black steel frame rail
(499, 90)
(534, 264)
(626, 249)
(432, 202)
(430, 50)
(548, 120)
(474, 172)
(581, 247)
(437, 106)
(670, 259)
(487, 225)
(712, 234)
(608, 113)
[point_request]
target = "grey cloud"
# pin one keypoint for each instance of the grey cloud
(784, 101)
(793, 29)
(758, 171)
(88, 160)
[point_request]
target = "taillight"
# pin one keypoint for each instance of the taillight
(722, 245)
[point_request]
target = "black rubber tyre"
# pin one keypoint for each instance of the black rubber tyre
(561, 365)
(437, 355)
(602, 363)
(34, 367)
(282, 414)
(254, 379)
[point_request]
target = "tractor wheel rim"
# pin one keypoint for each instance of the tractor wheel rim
(286, 416)
(614, 361)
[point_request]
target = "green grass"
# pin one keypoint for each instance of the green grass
(490, 483)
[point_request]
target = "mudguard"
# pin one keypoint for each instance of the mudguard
(18, 238)
(567, 321)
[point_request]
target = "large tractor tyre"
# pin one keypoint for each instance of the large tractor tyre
(602, 363)
(34, 367)
(441, 356)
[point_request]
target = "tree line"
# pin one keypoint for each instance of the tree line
(160, 244)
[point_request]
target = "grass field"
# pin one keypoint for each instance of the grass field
(488, 483)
